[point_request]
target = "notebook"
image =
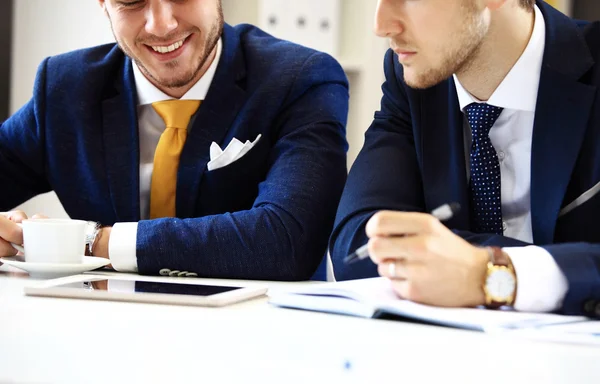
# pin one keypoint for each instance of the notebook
(375, 298)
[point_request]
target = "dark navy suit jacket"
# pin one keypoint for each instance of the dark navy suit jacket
(266, 216)
(414, 160)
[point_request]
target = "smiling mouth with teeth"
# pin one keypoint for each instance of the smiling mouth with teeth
(167, 49)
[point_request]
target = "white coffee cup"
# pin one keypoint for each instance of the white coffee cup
(57, 241)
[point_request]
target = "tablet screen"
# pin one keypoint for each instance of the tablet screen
(150, 287)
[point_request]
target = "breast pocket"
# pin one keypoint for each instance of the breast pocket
(234, 187)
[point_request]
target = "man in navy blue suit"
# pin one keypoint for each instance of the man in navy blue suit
(248, 191)
(491, 104)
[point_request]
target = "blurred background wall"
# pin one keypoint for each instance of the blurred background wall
(42, 28)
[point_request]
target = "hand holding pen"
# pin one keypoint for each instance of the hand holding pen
(442, 213)
(424, 260)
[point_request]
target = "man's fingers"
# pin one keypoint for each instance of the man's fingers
(406, 248)
(392, 223)
(16, 216)
(10, 231)
(394, 269)
(6, 249)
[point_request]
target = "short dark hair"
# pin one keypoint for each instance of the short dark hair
(528, 4)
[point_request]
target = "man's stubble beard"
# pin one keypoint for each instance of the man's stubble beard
(459, 58)
(211, 42)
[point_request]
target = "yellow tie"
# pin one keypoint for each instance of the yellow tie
(176, 115)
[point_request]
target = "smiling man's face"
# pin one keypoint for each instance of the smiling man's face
(171, 41)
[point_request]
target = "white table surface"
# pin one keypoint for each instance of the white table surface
(51, 340)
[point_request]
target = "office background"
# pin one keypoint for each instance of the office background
(34, 29)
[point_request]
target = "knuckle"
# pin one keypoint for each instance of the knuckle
(431, 224)
(379, 221)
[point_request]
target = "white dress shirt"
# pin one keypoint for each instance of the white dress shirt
(123, 237)
(541, 284)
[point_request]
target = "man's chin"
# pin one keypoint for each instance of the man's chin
(423, 81)
(171, 81)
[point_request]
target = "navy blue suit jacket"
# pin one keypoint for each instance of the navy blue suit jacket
(266, 216)
(414, 160)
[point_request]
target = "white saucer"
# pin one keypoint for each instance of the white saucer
(52, 270)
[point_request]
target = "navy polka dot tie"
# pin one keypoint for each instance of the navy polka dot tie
(486, 208)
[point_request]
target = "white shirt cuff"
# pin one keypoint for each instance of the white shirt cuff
(122, 247)
(541, 285)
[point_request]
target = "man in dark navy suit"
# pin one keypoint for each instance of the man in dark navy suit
(202, 149)
(491, 104)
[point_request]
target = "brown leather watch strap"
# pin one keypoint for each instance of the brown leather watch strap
(498, 257)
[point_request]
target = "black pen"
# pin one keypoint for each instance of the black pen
(443, 213)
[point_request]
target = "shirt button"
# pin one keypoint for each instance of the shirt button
(501, 155)
(164, 272)
(504, 226)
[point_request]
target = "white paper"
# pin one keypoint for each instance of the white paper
(377, 294)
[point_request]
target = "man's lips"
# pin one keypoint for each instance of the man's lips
(404, 54)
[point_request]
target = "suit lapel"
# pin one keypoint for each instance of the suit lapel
(562, 113)
(443, 152)
(223, 101)
(121, 146)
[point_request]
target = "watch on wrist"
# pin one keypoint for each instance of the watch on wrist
(91, 233)
(500, 285)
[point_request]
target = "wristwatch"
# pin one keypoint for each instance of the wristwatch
(91, 232)
(500, 285)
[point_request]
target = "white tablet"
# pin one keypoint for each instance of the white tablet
(113, 288)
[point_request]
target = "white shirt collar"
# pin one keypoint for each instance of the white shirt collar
(519, 89)
(147, 93)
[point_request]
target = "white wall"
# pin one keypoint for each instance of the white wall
(48, 27)
(43, 28)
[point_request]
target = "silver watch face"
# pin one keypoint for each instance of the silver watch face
(500, 284)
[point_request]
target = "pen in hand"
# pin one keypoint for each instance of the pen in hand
(443, 213)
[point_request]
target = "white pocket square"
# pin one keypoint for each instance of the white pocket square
(220, 158)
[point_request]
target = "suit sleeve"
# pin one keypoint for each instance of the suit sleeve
(284, 235)
(580, 264)
(22, 149)
(385, 176)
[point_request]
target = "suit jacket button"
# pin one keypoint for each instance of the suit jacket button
(597, 310)
(164, 272)
(173, 273)
(191, 274)
(589, 307)
(182, 274)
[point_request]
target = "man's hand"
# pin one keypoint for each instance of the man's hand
(10, 232)
(425, 261)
